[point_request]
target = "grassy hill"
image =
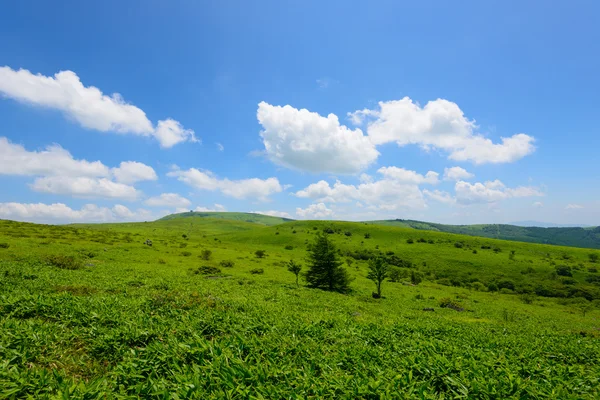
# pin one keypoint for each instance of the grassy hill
(90, 311)
(233, 216)
(576, 237)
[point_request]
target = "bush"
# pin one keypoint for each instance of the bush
(289, 247)
(416, 277)
(528, 298)
(444, 281)
(260, 253)
(367, 235)
(564, 270)
(329, 231)
(459, 245)
(348, 233)
(478, 286)
(396, 274)
(398, 262)
(227, 264)
(4, 245)
(430, 241)
(410, 241)
(528, 270)
(206, 254)
(186, 253)
(497, 250)
(64, 262)
(161, 261)
(449, 303)
(492, 287)
(474, 251)
(486, 247)
(594, 257)
(421, 240)
(507, 291)
(506, 284)
(207, 270)
(257, 271)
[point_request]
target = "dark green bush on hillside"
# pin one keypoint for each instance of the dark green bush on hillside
(186, 253)
(4, 245)
(409, 241)
(257, 271)
(207, 270)
(206, 254)
(421, 240)
(227, 264)
(367, 235)
(396, 274)
(398, 262)
(348, 233)
(506, 284)
(289, 247)
(329, 231)
(459, 245)
(492, 287)
(260, 253)
(564, 270)
(594, 257)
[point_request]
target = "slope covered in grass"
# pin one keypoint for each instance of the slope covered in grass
(90, 311)
(576, 237)
(233, 216)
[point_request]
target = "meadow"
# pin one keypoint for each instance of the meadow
(203, 306)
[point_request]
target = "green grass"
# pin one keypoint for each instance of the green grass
(233, 216)
(89, 311)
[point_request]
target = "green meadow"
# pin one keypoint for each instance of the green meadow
(202, 306)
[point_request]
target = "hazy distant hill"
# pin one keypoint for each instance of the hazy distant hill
(573, 236)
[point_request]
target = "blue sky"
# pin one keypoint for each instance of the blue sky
(454, 112)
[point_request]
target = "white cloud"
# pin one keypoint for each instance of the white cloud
(133, 171)
(574, 207)
(307, 141)
(215, 208)
(87, 105)
(53, 160)
(408, 176)
(440, 196)
(490, 192)
(457, 174)
(538, 204)
(239, 189)
(168, 200)
(440, 124)
(220, 147)
(85, 187)
(61, 213)
(314, 211)
(170, 132)
(273, 213)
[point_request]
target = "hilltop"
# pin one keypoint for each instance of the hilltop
(233, 216)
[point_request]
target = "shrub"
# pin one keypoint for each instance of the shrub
(421, 240)
(367, 235)
(410, 241)
(206, 254)
(486, 247)
(594, 257)
(186, 253)
(449, 303)
(474, 251)
(564, 270)
(227, 264)
(398, 262)
(528, 270)
(416, 277)
(207, 270)
(528, 298)
(430, 241)
(506, 291)
(459, 245)
(184, 236)
(444, 281)
(348, 233)
(257, 271)
(492, 287)
(4, 245)
(497, 249)
(161, 261)
(329, 231)
(592, 270)
(478, 286)
(395, 274)
(64, 262)
(289, 247)
(294, 231)
(260, 253)
(506, 284)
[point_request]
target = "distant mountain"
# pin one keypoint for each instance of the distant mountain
(572, 236)
(547, 224)
(234, 216)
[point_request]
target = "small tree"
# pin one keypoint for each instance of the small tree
(205, 254)
(594, 257)
(260, 253)
(295, 269)
(378, 271)
(325, 269)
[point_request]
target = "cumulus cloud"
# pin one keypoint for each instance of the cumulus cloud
(574, 207)
(168, 200)
(307, 141)
(132, 172)
(85, 187)
(490, 192)
(215, 208)
(239, 189)
(53, 160)
(439, 124)
(408, 176)
(457, 174)
(274, 213)
(538, 204)
(314, 211)
(61, 213)
(220, 147)
(87, 105)
(440, 196)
